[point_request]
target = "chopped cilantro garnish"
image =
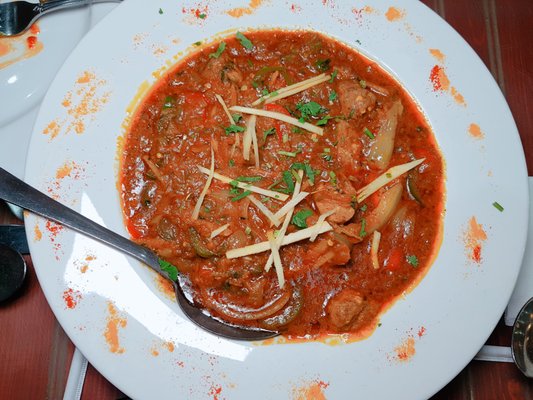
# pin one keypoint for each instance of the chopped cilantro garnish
(268, 132)
(171, 270)
(326, 157)
(169, 102)
(413, 260)
(363, 207)
(388, 175)
(246, 43)
(323, 65)
(287, 178)
(332, 95)
(362, 83)
(368, 133)
(231, 163)
(236, 117)
(309, 109)
(160, 11)
(248, 230)
(287, 153)
(358, 41)
(248, 178)
(300, 218)
(202, 16)
(219, 51)
(333, 178)
(241, 195)
(233, 129)
(498, 206)
(324, 120)
(362, 232)
(309, 171)
(333, 76)
(197, 43)
(265, 92)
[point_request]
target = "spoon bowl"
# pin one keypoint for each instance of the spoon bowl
(522, 339)
(14, 190)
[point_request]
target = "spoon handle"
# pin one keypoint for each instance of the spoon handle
(51, 5)
(18, 192)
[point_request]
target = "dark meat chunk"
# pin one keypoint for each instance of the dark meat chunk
(344, 308)
(353, 97)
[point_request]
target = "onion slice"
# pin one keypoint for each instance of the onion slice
(279, 116)
(196, 211)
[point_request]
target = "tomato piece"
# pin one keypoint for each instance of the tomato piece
(279, 109)
(395, 259)
(132, 229)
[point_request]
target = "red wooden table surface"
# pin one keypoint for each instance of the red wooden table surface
(35, 353)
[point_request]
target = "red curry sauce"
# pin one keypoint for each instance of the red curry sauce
(331, 284)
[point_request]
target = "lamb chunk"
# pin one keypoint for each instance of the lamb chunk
(344, 308)
(353, 97)
(326, 201)
(349, 149)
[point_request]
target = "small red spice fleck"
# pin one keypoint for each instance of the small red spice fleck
(434, 77)
(476, 253)
(35, 29)
(421, 332)
(31, 42)
(71, 298)
(215, 391)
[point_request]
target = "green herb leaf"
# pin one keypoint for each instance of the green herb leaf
(247, 44)
(498, 206)
(231, 163)
(332, 95)
(171, 270)
(368, 133)
(264, 92)
(362, 83)
(300, 218)
(413, 260)
(236, 117)
(202, 16)
(160, 11)
(362, 232)
(363, 207)
(287, 178)
(268, 132)
(233, 129)
(323, 65)
(248, 178)
(324, 120)
(197, 43)
(169, 102)
(241, 195)
(333, 76)
(219, 51)
(309, 171)
(333, 178)
(310, 108)
(287, 153)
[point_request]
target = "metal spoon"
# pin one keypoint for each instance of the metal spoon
(20, 193)
(17, 16)
(522, 339)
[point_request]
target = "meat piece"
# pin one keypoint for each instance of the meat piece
(326, 252)
(232, 74)
(326, 201)
(344, 308)
(353, 231)
(349, 148)
(353, 97)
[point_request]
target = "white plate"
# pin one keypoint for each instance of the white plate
(445, 319)
(24, 83)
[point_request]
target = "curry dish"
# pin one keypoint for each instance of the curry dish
(291, 180)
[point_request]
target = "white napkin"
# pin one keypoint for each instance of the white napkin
(523, 290)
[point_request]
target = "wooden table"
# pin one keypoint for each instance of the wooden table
(35, 353)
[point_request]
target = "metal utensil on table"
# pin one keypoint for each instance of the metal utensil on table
(522, 340)
(17, 16)
(20, 193)
(521, 350)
